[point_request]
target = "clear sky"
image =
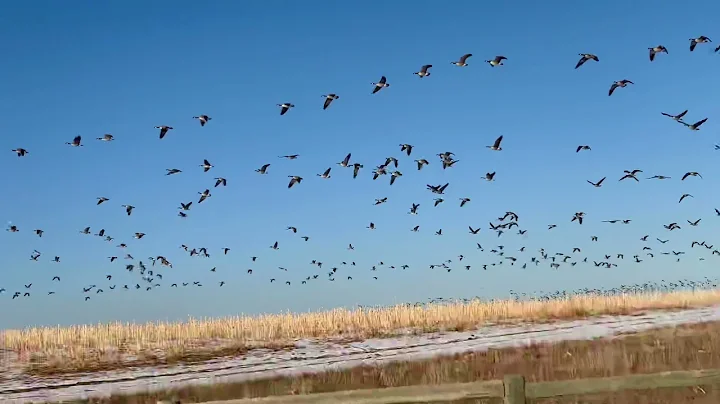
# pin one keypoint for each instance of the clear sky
(122, 68)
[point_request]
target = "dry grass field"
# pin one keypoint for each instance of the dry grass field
(678, 348)
(107, 346)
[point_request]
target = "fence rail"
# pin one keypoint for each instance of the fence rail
(512, 389)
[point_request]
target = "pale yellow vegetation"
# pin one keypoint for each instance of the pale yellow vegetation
(87, 347)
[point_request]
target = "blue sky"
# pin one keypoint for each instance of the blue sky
(124, 68)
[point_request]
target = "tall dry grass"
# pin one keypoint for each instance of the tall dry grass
(85, 347)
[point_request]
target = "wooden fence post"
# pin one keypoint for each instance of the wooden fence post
(514, 389)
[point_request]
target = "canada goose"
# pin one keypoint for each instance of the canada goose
(621, 83)
(106, 138)
(474, 231)
(139, 235)
(371, 226)
(404, 147)
(163, 130)
(695, 223)
(329, 98)
(677, 117)
(498, 61)
(690, 174)
(290, 157)
(76, 141)
(128, 209)
(394, 175)
(294, 179)
(579, 217)
(39, 232)
(659, 177)
(171, 171)
(438, 233)
(496, 145)
(325, 174)
(597, 184)
(263, 169)
(489, 176)
(284, 107)
(462, 62)
(185, 206)
(423, 71)
(463, 201)
(206, 165)
(657, 49)
(415, 206)
(204, 195)
(696, 125)
(695, 41)
(583, 147)
(346, 161)
(203, 119)
(85, 230)
(415, 229)
(631, 174)
(356, 169)
(421, 163)
(220, 180)
(438, 201)
(380, 84)
(182, 214)
(21, 152)
(685, 196)
(102, 199)
(584, 57)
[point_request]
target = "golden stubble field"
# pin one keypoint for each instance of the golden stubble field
(55, 350)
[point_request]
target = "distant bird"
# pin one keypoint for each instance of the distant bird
(463, 201)
(497, 61)
(203, 119)
(220, 181)
(39, 232)
(380, 84)
(423, 71)
(677, 117)
(631, 174)
(206, 165)
(128, 209)
(356, 169)
(620, 83)
(584, 57)
(76, 141)
(583, 147)
(695, 126)
(371, 226)
(655, 50)
(263, 169)
(285, 107)
(407, 148)
(346, 161)
(690, 174)
(496, 145)
(395, 174)
(325, 174)
(462, 62)
(163, 130)
(171, 171)
(421, 163)
(21, 152)
(329, 98)
(685, 196)
(106, 138)
(489, 176)
(695, 41)
(290, 157)
(294, 179)
(597, 184)
(204, 195)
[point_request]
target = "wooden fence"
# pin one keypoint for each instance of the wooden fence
(512, 389)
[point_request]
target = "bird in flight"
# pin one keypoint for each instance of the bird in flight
(462, 62)
(655, 50)
(621, 83)
(380, 84)
(163, 130)
(423, 71)
(584, 57)
(203, 119)
(329, 98)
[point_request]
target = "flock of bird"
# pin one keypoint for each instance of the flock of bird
(152, 271)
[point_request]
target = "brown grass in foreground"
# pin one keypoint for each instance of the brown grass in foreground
(107, 346)
(678, 348)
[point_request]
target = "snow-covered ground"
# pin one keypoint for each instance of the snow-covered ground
(317, 355)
